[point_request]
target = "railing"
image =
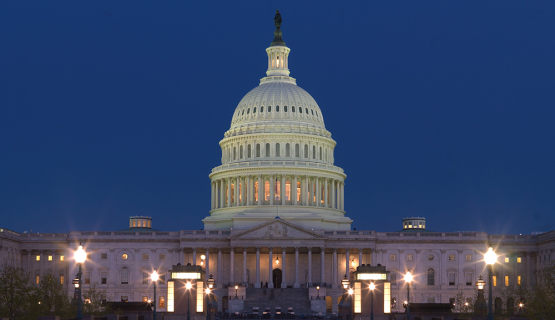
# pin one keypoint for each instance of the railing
(274, 163)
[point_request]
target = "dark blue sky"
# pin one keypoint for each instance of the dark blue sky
(441, 109)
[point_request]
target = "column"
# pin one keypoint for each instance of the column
(222, 192)
(243, 192)
(442, 267)
(373, 258)
(194, 257)
(228, 192)
(272, 189)
(318, 192)
(282, 190)
(207, 262)
(326, 193)
(260, 189)
(333, 194)
(359, 256)
(347, 269)
(257, 282)
(335, 274)
(305, 195)
(212, 196)
(322, 266)
(283, 268)
(245, 266)
(219, 279)
(309, 266)
(296, 284)
(248, 184)
(460, 282)
(236, 191)
(270, 269)
(342, 196)
(294, 190)
(528, 277)
(231, 266)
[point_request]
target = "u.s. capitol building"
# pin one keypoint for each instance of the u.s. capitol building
(277, 220)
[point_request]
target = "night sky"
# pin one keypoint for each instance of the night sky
(441, 109)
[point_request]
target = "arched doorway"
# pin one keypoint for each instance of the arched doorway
(276, 278)
(498, 304)
(511, 306)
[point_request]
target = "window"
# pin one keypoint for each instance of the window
(431, 257)
(49, 258)
(269, 108)
(162, 279)
(104, 256)
(293, 108)
(254, 110)
(451, 257)
(170, 296)
(284, 108)
(103, 277)
(249, 152)
(162, 256)
(62, 258)
(62, 279)
(124, 276)
(277, 108)
(306, 151)
(306, 109)
(311, 110)
(518, 260)
(431, 277)
(494, 278)
(468, 257)
(506, 259)
(431, 300)
(518, 280)
(145, 299)
(392, 257)
(261, 109)
(287, 150)
(241, 152)
(277, 150)
(267, 191)
(468, 279)
(267, 150)
(300, 110)
(248, 110)
(258, 150)
(409, 257)
(37, 257)
(242, 113)
(506, 281)
(145, 256)
(162, 301)
(393, 279)
(297, 151)
(256, 191)
(145, 278)
(124, 299)
(452, 301)
(451, 277)
(37, 279)
(87, 278)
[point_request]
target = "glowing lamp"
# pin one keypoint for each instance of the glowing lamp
(345, 282)
(207, 290)
(202, 257)
(372, 286)
(80, 255)
(480, 283)
(154, 276)
(490, 257)
(351, 291)
(210, 282)
(236, 287)
(188, 286)
(277, 260)
(408, 277)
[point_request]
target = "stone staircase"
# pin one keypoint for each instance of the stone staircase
(284, 298)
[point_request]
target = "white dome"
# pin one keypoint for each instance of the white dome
(278, 102)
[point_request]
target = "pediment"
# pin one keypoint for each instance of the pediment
(277, 229)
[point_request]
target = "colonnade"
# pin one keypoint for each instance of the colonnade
(254, 190)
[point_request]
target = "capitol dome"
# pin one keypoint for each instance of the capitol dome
(277, 158)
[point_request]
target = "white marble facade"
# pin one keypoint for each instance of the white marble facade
(278, 159)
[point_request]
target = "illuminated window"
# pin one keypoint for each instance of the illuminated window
(256, 191)
(37, 257)
(267, 191)
(288, 191)
(518, 260)
(232, 192)
(277, 189)
(410, 224)
(494, 278)
(134, 224)
(451, 257)
(409, 257)
(297, 150)
(468, 257)
(306, 151)
(37, 279)
(518, 280)
(287, 150)
(162, 301)
(506, 259)
(170, 296)
(298, 191)
(49, 258)
(357, 297)
(506, 281)
(62, 258)
(200, 296)
(61, 279)
(124, 276)
(386, 297)
(145, 299)
(277, 150)
(392, 257)
(124, 256)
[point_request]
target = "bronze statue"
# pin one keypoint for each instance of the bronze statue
(278, 41)
(277, 20)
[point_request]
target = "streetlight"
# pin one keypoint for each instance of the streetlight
(372, 287)
(408, 280)
(202, 257)
(154, 276)
(351, 291)
(80, 256)
(188, 287)
(490, 258)
(480, 305)
(236, 287)
(210, 283)
(318, 290)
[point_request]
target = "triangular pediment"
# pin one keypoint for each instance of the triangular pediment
(276, 229)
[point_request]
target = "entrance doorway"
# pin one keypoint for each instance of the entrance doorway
(277, 278)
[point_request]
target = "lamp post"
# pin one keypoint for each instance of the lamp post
(480, 306)
(188, 287)
(80, 256)
(490, 258)
(154, 276)
(351, 291)
(210, 283)
(318, 290)
(372, 287)
(236, 287)
(408, 280)
(345, 284)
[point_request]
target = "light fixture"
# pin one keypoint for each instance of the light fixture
(154, 276)
(202, 257)
(490, 257)
(236, 287)
(345, 282)
(521, 305)
(149, 301)
(466, 304)
(210, 282)
(480, 283)
(188, 286)
(408, 277)
(372, 286)
(353, 263)
(207, 290)
(277, 260)
(80, 255)
(351, 291)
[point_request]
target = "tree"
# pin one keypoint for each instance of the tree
(49, 298)
(540, 302)
(462, 305)
(15, 292)
(94, 301)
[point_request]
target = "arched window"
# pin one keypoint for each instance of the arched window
(306, 151)
(234, 153)
(248, 110)
(256, 191)
(277, 150)
(293, 108)
(431, 277)
(261, 109)
(287, 150)
(288, 191)
(310, 111)
(258, 150)
(306, 109)
(267, 191)
(232, 194)
(241, 152)
(267, 150)
(254, 110)
(249, 154)
(300, 110)
(269, 108)
(277, 108)
(243, 113)
(284, 108)
(124, 276)
(297, 150)
(320, 153)
(313, 152)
